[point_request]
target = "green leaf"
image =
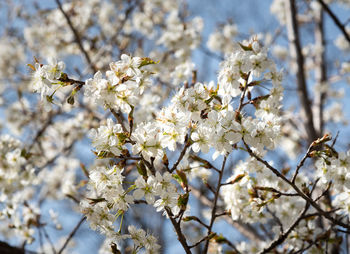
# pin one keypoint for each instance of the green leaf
(70, 99)
(220, 239)
(183, 177)
(238, 178)
(141, 168)
(245, 48)
(96, 200)
(49, 98)
(182, 201)
(188, 218)
(147, 61)
(31, 66)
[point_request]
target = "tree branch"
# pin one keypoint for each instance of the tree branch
(301, 163)
(119, 117)
(178, 230)
(297, 56)
(182, 154)
(245, 229)
(216, 197)
(77, 36)
(320, 71)
(300, 192)
(8, 249)
(71, 235)
(335, 19)
(283, 236)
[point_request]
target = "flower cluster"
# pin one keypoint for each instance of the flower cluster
(109, 199)
(250, 60)
(46, 77)
(223, 39)
(126, 80)
(179, 37)
(236, 75)
(108, 138)
(16, 179)
(200, 117)
(334, 169)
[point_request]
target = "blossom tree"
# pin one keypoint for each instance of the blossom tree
(110, 115)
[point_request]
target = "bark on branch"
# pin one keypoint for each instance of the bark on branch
(336, 20)
(298, 58)
(77, 36)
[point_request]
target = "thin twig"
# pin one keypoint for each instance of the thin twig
(336, 20)
(206, 163)
(195, 218)
(222, 214)
(41, 244)
(119, 118)
(324, 192)
(123, 21)
(283, 236)
(263, 188)
(49, 240)
(243, 93)
(210, 53)
(296, 53)
(245, 229)
(335, 139)
(42, 130)
(301, 163)
(178, 230)
(278, 221)
(77, 36)
(296, 188)
(182, 154)
(207, 237)
(320, 70)
(216, 197)
(71, 235)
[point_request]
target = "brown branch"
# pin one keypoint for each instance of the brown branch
(118, 116)
(123, 21)
(320, 71)
(222, 214)
(229, 243)
(300, 192)
(49, 240)
(335, 20)
(71, 235)
(178, 230)
(202, 198)
(206, 238)
(206, 163)
(243, 93)
(8, 249)
(43, 129)
(276, 219)
(297, 56)
(77, 36)
(271, 189)
(182, 154)
(283, 236)
(245, 229)
(301, 163)
(195, 218)
(216, 197)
